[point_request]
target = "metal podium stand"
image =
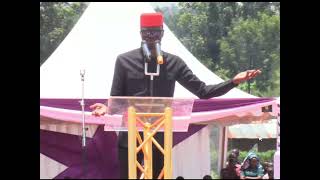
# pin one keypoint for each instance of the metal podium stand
(150, 115)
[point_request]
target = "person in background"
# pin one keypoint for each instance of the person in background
(268, 174)
(232, 170)
(268, 170)
(251, 168)
(207, 177)
(237, 153)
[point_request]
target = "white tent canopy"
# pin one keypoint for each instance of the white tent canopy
(253, 131)
(104, 31)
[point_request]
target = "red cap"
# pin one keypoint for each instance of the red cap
(151, 20)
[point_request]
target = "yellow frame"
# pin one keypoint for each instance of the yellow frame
(165, 120)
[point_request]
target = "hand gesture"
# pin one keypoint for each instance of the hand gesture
(99, 109)
(246, 75)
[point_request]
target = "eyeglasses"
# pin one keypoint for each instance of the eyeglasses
(151, 33)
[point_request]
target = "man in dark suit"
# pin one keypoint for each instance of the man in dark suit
(130, 80)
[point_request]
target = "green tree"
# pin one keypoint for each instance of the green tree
(170, 14)
(56, 21)
(251, 9)
(251, 44)
(203, 26)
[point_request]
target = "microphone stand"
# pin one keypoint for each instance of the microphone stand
(82, 72)
(151, 75)
(147, 57)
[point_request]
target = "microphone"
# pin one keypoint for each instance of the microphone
(146, 51)
(158, 52)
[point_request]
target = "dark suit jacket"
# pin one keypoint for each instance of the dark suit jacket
(129, 80)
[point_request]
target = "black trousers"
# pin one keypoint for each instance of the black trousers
(157, 156)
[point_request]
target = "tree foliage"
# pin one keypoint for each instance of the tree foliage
(56, 21)
(229, 37)
(254, 44)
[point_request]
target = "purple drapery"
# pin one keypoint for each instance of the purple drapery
(102, 148)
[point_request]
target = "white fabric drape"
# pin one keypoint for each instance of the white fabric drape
(191, 157)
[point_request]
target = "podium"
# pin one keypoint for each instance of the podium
(149, 115)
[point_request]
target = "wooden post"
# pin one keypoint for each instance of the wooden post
(148, 151)
(132, 143)
(168, 144)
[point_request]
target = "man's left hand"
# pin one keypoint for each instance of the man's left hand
(246, 75)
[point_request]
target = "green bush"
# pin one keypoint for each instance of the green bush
(215, 175)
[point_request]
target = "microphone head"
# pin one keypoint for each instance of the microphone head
(82, 72)
(146, 51)
(159, 53)
(160, 59)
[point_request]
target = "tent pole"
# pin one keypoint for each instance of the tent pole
(223, 147)
(82, 72)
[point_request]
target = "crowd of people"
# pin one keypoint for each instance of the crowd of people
(251, 168)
